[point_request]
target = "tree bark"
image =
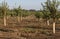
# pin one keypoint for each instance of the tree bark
(21, 18)
(48, 22)
(59, 19)
(7, 17)
(18, 18)
(4, 20)
(54, 26)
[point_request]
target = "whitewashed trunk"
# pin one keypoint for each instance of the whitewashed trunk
(18, 18)
(4, 21)
(8, 17)
(40, 19)
(5, 18)
(59, 19)
(54, 27)
(48, 22)
(21, 18)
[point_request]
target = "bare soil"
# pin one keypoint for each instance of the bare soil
(28, 29)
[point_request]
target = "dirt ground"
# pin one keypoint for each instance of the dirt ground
(28, 29)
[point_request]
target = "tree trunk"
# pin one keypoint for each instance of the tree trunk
(21, 18)
(54, 26)
(8, 17)
(4, 20)
(59, 19)
(48, 22)
(18, 18)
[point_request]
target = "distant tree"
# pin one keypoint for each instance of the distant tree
(18, 12)
(38, 15)
(25, 13)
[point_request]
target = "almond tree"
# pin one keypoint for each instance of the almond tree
(18, 11)
(52, 6)
(46, 15)
(38, 15)
(4, 11)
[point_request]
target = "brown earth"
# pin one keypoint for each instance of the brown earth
(28, 29)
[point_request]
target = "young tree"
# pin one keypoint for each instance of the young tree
(52, 6)
(18, 11)
(4, 11)
(38, 15)
(46, 15)
(25, 13)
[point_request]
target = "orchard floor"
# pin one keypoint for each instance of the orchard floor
(28, 29)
